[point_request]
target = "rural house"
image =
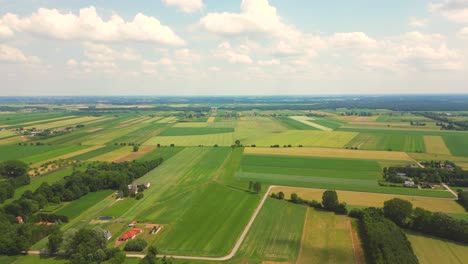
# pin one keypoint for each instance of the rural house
(130, 234)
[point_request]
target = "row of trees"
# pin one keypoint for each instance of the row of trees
(383, 240)
(330, 201)
(463, 199)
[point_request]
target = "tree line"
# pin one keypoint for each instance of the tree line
(13, 174)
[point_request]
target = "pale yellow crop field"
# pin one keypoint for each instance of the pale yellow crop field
(222, 139)
(446, 205)
(191, 124)
(114, 155)
(6, 133)
(331, 153)
(307, 120)
(436, 144)
(66, 122)
(211, 119)
(308, 138)
(430, 250)
(68, 155)
(170, 119)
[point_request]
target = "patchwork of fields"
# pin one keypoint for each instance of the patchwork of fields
(200, 192)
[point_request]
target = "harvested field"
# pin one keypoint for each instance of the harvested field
(306, 120)
(135, 155)
(170, 119)
(436, 144)
(6, 133)
(327, 239)
(69, 155)
(429, 156)
(308, 138)
(331, 153)
(13, 140)
(431, 250)
(114, 155)
(191, 124)
(66, 122)
(222, 139)
(188, 131)
(211, 119)
(446, 205)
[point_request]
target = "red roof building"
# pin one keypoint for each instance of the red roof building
(130, 234)
(19, 219)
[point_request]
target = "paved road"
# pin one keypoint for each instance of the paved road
(227, 257)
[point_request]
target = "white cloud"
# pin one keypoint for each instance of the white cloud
(351, 40)
(88, 25)
(268, 62)
(455, 10)
(232, 55)
(463, 33)
(100, 52)
(417, 22)
(5, 31)
(12, 54)
(186, 6)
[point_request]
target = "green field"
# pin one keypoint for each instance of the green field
(430, 250)
(53, 153)
(96, 152)
(458, 144)
(309, 138)
(276, 233)
(310, 166)
(221, 139)
(15, 152)
(163, 152)
(395, 142)
(187, 131)
(210, 227)
(140, 135)
(75, 208)
(294, 125)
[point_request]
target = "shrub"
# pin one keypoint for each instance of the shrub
(135, 245)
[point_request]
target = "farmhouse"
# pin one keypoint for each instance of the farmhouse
(19, 219)
(409, 184)
(132, 224)
(133, 188)
(130, 234)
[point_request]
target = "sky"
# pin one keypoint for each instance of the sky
(233, 47)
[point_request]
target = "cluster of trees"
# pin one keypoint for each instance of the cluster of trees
(255, 186)
(451, 174)
(136, 245)
(330, 201)
(463, 199)
(284, 146)
(417, 123)
(438, 224)
(383, 240)
(13, 174)
(354, 113)
(97, 176)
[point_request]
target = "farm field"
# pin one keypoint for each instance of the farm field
(65, 123)
(430, 250)
(331, 153)
(187, 131)
(327, 239)
(276, 233)
(222, 139)
(114, 155)
(446, 205)
(307, 138)
(393, 142)
(75, 208)
(457, 144)
(294, 124)
(12, 152)
(436, 144)
(310, 122)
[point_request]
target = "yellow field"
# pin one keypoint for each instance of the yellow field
(306, 120)
(430, 250)
(6, 133)
(65, 123)
(191, 124)
(307, 138)
(114, 155)
(222, 139)
(358, 118)
(48, 120)
(170, 119)
(436, 145)
(135, 155)
(13, 140)
(211, 119)
(69, 155)
(445, 205)
(331, 153)
(463, 165)
(132, 121)
(326, 239)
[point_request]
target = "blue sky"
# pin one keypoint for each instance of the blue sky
(233, 47)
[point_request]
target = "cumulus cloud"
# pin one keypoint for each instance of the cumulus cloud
(268, 62)
(186, 6)
(5, 31)
(12, 54)
(463, 33)
(351, 40)
(88, 25)
(233, 55)
(455, 10)
(100, 52)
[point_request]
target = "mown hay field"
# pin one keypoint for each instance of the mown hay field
(276, 233)
(222, 139)
(308, 138)
(436, 144)
(114, 155)
(393, 142)
(190, 124)
(310, 122)
(331, 153)
(446, 205)
(327, 239)
(431, 250)
(65, 123)
(188, 131)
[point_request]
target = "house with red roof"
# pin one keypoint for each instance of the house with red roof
(19, 219)
(130, 234)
